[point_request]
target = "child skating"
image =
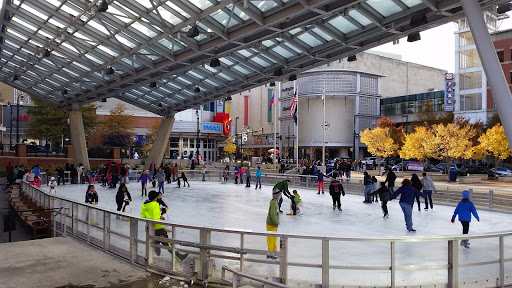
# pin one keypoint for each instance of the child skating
(383, 193)
(123, 198)
(464, 209)
(91, 197)
(53, 185)
(144, 179)
(298, 203)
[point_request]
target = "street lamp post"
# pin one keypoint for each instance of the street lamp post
(406, 122)
(10, 125)
(18, 120)
(197, 139)
(236, 136)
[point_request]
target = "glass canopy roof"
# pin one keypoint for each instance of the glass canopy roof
(156, 54)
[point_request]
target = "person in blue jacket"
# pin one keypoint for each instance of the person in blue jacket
(464, 209)
(258, 177)
(408, 193)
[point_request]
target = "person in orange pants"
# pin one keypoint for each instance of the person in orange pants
(320, 177)
(272, 224)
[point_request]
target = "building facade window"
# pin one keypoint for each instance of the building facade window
(411, 104)
(501, 55)
(471, 80)
(470, 102)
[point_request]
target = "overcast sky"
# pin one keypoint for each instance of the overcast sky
(436, 47)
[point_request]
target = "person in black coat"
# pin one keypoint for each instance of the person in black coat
(74, 174)
(123, 197)
(60, 175)
(390, 179)
(336, 190)
(384, 194)
(416, 183)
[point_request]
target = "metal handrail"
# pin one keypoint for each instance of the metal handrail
(204, 248)
(238, 276)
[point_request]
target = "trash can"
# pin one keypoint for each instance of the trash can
(453, 175)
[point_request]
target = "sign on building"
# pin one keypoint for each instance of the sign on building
(449, 97)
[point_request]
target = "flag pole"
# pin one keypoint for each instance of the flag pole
(323, 126)
(278, 86)
(297, 124)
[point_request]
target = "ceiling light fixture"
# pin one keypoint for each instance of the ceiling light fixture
(503, 8)
(193, 31)
(47, 53)
(351, 58)
(278, 72)
(103, 7)
(272, 84)
(215, 62)
(15, 77)
(110, 71)
(65, 92)
(160, 105)
(292, 77)
(197, 89)
(152, 84)
(413, 37)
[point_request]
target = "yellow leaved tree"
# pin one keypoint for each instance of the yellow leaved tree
(494, 142)
(419, 145)
(452, 142)
(379, 143)
(230, 148)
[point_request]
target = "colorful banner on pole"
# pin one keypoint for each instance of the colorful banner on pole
(449, 97)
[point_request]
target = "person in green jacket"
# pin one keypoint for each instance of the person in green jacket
(272, 224)
(283, 188)
(298, 203)
(151, 210)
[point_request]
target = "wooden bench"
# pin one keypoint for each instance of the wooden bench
(20, 202)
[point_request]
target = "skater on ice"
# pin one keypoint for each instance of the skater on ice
(184, 179)
(383, 193)
(123, 197)
(375, 186)
(416, 183)
(283, 188)
(428, 188)
(53, 185)
(408, 192)
(36, 182)
(464, 209)
(320, 176)
(151, 210)
(160, 178)
(298, 203)
(91, 196)
(273, 223)
(336, 190)
(144, 179)
(258, 177)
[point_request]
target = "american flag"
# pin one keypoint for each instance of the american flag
(293, 104)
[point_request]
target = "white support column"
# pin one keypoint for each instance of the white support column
(79, 146)
(492, 66)
(162, 138)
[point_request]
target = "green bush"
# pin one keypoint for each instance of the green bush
(492, 178)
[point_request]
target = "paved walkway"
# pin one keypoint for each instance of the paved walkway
(55, 262)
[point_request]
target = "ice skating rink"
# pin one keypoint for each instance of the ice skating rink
(231, 206)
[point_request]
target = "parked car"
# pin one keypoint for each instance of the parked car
(454, 166)
(477, 169)
(31, 148)
(500, 171)
(369, 160)
(431, 168)
(408, 165)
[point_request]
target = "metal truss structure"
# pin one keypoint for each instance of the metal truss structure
(168, 56)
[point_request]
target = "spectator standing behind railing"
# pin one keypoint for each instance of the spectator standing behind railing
(30, 176)
(60, 175)
(10, 172)
(36, 182)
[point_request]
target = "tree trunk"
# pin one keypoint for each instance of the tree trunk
(378, 165)
(496, 161)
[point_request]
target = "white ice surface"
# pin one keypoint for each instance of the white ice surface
(230, 206)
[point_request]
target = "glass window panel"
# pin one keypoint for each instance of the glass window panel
(359, 17)
(223, 18)
(260, 61)
(55, 3)
(245, 53)
(177, 10)
(24, 24)
(290, 45)
(239, 13)
(309, 40)
(322, 34)
(70, 9)
(56, 22)
(342, 24)
(283, 52)
(241, 69)
(501, 55)
(44, 34)
(107, 50)
(143, 29)
(184, 80)
(16, 34)
(11, 44)
(194, 74)
(267, 43)
(97, 27)
(226, 61)
(264, 5)
(469, 58)
(118, 14)
(207, 67)
(201, 4)
(94, 58)
(33, 12)
(295, 31)
(384, 7)
(470, 102)
(211, 82)
(229, 78)
(471, 80)
(411, 3)
(125, 40)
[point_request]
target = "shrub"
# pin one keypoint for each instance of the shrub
(492, 178)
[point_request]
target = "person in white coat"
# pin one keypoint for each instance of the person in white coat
(53, 185)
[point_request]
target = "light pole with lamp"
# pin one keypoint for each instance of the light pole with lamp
(406, 122)
(10, 125)
(197, 139)
(236, 136)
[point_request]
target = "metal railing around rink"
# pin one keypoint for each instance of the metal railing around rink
(136, 246)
